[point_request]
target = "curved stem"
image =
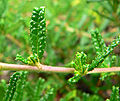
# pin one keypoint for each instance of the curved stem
(45, 68)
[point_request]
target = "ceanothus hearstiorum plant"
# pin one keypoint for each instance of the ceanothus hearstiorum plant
(38, 42)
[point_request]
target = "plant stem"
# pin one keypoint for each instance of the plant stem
(15, 67)
(45, 68)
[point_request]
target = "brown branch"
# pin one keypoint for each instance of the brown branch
(45, 68)
(15, 67)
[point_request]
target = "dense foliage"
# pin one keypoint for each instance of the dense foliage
(69, 24)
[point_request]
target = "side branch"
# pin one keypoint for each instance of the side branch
(45, 68)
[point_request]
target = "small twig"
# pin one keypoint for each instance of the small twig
(45, 68)
(14, 40)
(104, 70)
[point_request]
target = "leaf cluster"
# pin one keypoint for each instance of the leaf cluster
(21, 90)
(81, 68)
(37, 36)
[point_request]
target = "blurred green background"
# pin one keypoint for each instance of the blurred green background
(69, 23)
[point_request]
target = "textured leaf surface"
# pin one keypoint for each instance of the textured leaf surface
(98, 42)
(38, 31)
(18, 96)
(80, 67)
(102, 57)
(12, 86)
(22, 59)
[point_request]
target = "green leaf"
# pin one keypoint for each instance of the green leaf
(3, 7)
(70, 95)
(103, 15)
(29, 89)
(98, 42)
(80, 67)
(3, 87)
(12, 86)
(75, 78)
(31, 60)
(38, 31)
(20, 86)
(38, 89)
(79, 62)
(115, 94)
(49, 96)
(22, 59)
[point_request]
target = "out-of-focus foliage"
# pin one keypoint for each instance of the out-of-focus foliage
(68, 25)
(18, 85)
(115, 94)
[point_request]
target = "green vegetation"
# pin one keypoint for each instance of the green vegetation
(60, 33)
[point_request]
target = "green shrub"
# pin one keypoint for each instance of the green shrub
(68, 23)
